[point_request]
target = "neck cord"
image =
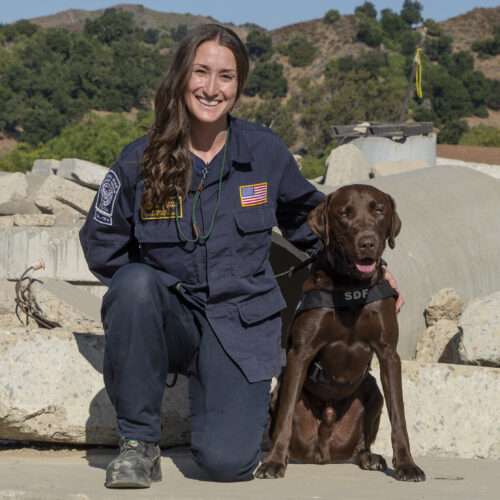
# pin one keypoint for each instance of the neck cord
(202, 238)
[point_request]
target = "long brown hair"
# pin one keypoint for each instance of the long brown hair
(167, 162)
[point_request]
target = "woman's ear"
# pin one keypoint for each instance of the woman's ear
(395, 226)
(318, 221)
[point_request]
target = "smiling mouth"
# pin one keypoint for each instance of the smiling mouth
(208, 104)
(366, 266)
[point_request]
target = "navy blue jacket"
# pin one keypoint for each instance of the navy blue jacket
(230, 275)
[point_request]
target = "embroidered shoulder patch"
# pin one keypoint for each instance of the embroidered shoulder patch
(106, 198)
(253, 194)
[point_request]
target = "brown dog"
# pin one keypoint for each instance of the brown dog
(329, 406)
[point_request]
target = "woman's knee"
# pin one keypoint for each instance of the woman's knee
(135, 281)
(226, 465)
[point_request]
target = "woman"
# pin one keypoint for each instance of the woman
(180, 230)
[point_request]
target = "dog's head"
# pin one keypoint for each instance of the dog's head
(354, 222)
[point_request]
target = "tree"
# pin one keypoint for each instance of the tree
(450, 99)
(301, 52)
(411, 12)
(391, 23)
(267, 79)
(369, 32)
(331, 16)
(113, 25)
(179, 32)
(437, 48)
(367, 9)
(452, 131)
(259, 44)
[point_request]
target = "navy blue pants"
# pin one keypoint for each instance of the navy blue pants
(151, 330)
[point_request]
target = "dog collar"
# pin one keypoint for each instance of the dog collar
(345, 299)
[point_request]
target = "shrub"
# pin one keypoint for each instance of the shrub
(481, 135)
(301, 52)
(433, 28)
(490, 46)
(312, 167)
(367, 10)
(267, 79)
(331, 16)
(259, 44)
(369, 32)
(391, 23)
(112, 26)
(452, 131)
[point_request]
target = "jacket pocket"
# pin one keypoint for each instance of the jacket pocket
(261, 307)
(253, 242)
(161, 246)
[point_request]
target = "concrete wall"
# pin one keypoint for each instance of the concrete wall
(382, 149)
(450, 238)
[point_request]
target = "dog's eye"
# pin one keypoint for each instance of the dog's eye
(379, 209)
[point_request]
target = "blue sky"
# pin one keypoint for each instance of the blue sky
(267, 13)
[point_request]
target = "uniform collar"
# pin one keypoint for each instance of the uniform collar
(238, 153)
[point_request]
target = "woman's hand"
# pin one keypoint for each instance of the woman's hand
(392, 281)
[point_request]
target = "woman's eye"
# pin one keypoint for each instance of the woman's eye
(227, 78)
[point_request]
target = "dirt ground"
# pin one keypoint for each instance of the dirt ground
(475, 154)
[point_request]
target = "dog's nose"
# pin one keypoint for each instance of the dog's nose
(367, 243)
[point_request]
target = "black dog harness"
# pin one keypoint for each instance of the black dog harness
(341, 299)
(345, 299)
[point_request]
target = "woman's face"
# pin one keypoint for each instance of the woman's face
(212, 87)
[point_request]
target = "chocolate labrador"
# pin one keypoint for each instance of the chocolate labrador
(329, 405)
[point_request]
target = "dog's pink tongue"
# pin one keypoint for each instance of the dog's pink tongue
(365, 268)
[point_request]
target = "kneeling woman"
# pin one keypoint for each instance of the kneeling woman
(180, 231)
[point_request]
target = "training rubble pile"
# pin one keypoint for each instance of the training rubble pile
(51, 379)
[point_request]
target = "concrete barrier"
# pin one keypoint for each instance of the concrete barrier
(450, 238)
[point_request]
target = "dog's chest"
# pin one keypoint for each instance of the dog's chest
(353, 326)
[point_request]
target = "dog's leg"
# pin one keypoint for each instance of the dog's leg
(298, 360)
(390, 374)
(373, 403)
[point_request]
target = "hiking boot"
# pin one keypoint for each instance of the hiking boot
(136, 466)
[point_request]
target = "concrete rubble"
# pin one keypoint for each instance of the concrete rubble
(51, 386)
(480, 324)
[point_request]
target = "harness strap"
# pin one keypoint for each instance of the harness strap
(345, 299)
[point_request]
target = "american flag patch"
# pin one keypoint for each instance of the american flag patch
(253, 194)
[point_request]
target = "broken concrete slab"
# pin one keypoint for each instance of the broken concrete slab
(442, 403)
(439, 343)
(56, 188)
(52, 390)
(44, 220)
(58, 247)
(13, 192)
(87, 173)
(345, 165)
(45, 166)
(445, 304)
(480, 324)
(6, 220)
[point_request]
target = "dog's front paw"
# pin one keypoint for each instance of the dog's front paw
(271, 470)
(409, 472)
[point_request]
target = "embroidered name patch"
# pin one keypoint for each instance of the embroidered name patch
(106, 198)
(253, 194)
(168, 212)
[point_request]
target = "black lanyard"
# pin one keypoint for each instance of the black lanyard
(202, 238)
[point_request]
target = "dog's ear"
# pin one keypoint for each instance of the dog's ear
(395, 226)
(318, 221)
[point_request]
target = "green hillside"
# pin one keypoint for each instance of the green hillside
(59, 70)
